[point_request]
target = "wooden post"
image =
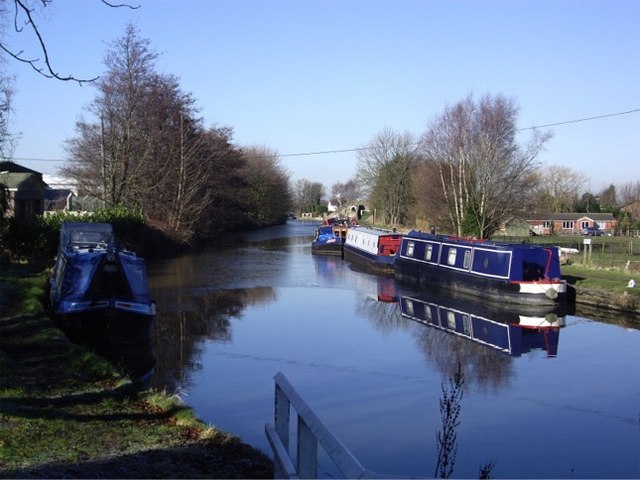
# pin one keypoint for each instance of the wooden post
(307, 454)
(587, 251)
(282, 413)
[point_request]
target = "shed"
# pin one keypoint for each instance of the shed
(25, 189)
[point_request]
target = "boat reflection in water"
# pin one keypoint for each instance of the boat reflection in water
(335, 272)
(509, 330)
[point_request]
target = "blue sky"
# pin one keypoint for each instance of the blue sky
(304, 76)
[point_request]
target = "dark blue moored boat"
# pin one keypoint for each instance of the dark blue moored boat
(329, 237)
(495, 271)
(510, 330)
(100, 297)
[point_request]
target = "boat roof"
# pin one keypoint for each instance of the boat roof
(375, 231)
(472, 241)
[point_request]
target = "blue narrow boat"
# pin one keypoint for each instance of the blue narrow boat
(511, 331)
(329, 238)
(100, 297)
(494, 271)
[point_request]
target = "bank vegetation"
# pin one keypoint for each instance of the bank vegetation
(66, 413)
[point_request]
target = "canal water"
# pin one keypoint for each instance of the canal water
(368, 357)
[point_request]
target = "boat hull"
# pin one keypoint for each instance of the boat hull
(458, 284)
(368, 262)
(333, 246)
(334, 249)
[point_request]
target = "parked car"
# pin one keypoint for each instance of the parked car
(591, 231)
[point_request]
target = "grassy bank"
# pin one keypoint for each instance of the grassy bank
(604, 293)
(65, 412)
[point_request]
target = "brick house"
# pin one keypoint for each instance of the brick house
(570, 223)
(25, 189)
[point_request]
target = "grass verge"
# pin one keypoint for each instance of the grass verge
(66, 412)
(605, 290)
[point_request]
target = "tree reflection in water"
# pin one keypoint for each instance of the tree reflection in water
(184, 324)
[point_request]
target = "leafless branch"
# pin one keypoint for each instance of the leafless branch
(44, 67)
(113, 5)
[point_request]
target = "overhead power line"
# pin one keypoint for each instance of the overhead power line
(360, 149)
(582, 119)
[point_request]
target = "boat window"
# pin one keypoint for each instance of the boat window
(532, 271)
(428, 252)
(467, 259)
(410, 248)
(466, 324)
(409, 307)
(451, 258)
(451, 320)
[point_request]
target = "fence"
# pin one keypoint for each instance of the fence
(614, 252)
(622, 253)
(311, 433)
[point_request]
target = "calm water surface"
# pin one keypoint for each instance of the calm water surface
(564, 405)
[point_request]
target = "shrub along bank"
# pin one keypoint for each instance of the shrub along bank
(36, 240)
(65, 412)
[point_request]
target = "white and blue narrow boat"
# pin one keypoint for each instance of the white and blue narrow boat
(372, 249)
(502, 272)
(511, 331)
(100, 297)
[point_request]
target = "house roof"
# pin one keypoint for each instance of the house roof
(17, 177)
(12, 167)
(570, 216)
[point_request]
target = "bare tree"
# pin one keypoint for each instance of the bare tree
(385, 171)
(608, 199)
(226, 185)
(308, 195)
(392, 195)
(484, 173)
(7, 139)
(178, 196)
(146, 148)
(629, 192)
(430, 207)
(112, 157)
(267, 186)
(24, 13)
(629, 196)
(380, 151)
(347, 192)
(559, 188)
